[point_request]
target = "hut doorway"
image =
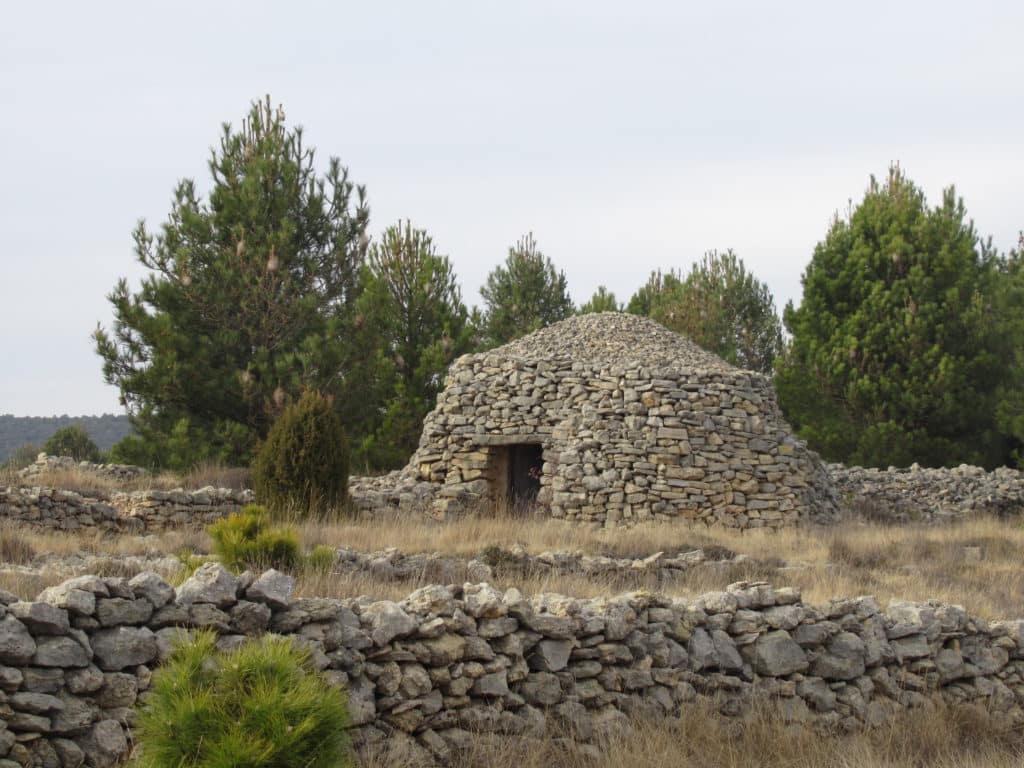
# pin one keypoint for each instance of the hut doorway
(524, 468)
(517, 472)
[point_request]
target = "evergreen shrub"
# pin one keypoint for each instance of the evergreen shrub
(75, 442)
(303, 465)
(260, 706)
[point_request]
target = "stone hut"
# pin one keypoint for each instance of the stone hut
(610, 418)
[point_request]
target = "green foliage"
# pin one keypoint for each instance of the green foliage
(247, 302)
(1010, 408)
(720, 306)
(73, 441)
(190, 561)
(603, 300)
(321, 559)
(898, 353)
(412, 307)
(261, 706)
(303, 465)
(247, 540)
(525, 294)
(16, 431)
(22, 456)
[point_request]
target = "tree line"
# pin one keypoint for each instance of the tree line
(905, 346)
(32, 432)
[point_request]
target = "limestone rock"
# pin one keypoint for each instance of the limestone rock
(41, 618)
(16, 644)
(211, 583)
(273, 588)
(776, 654)
(121, 647)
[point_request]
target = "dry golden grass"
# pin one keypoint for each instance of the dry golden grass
(974, 563)
(90, 484)
(942, 737)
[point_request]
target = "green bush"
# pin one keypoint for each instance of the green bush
(22, 456)
(247, 539)
(321, 559)
(75, 442)
(303, 465)
(261, 706)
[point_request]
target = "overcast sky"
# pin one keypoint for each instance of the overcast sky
(626, 136)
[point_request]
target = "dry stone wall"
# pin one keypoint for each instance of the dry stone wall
(635, 423)
(919, 494)
(45, 463)
(135, 512)
(432, 672)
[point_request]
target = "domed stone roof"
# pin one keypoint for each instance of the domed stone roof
(614, 338)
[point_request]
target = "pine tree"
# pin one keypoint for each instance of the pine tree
(524, 294)
(413, 308)
(603, 300)
(897, 352)
(720, 306)
(247, 301)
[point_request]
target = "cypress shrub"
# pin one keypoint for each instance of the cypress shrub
(260, 706)
(303, 464)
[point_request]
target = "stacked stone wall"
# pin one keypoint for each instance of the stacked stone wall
(135, 512)
(435, 670)
(919, 494)
(45, 463)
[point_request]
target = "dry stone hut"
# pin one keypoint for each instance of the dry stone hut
(610, 418)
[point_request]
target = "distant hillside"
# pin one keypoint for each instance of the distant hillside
(16, 431)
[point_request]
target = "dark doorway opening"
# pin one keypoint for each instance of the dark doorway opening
(525, 462)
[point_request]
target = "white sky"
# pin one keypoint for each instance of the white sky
(626, 136)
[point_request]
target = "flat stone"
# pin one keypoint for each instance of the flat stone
(483, 601)
(41, 618)
(42, 679)
(273, 588)
(152, 587)
(16, 644)
(114, 611)
(121, 647)
(211, 583)
(35, 703)
(106, 744)
(541, 689)
(433, 599)
(388, 621)
(842, 659)
(776, 654)
(494, 684)
(444, 650)
(551, 655)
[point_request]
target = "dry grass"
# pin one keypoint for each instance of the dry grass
(941, 737)
(975, 563)
(15, 546)
(90, 484)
